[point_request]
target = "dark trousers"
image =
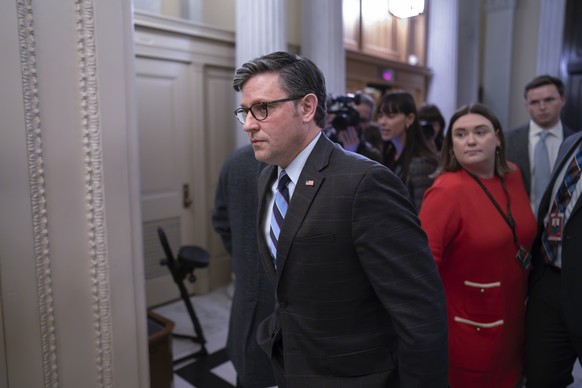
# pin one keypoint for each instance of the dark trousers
(551, 348)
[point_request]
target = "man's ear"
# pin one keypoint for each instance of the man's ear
(308, 107)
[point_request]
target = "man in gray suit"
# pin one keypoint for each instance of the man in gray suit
(544, 100)
(358, 299)
(235, 212)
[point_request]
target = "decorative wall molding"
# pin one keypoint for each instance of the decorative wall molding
(92, 147)
(181, 26)
(34, 144)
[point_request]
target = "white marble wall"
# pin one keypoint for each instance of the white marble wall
(73, 309)
(442, 55)
(261, 28)
(498, 56)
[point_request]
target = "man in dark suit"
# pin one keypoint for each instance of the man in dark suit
(358, 299)
(544, 100)
(554, 316)
(235, 212)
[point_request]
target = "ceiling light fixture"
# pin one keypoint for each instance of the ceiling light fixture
(406, 8)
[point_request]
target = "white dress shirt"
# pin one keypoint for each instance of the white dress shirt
(553, 142)
(293, 170)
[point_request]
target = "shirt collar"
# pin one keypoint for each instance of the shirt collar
(296, 166)
(534, 129)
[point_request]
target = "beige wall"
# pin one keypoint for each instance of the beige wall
(294, 22)
(525, 43)
(221, 14)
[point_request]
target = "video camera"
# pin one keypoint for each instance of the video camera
(345, 114)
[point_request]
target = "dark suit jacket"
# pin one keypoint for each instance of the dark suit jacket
(571, 274)
(357, 290)
(235, 212)
(517, 151)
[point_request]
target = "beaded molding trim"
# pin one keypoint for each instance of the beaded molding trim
(93, 159)
(34, 145)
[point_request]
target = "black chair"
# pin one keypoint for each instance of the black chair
(189, 258)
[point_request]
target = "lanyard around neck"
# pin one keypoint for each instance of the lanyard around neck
(507, 217)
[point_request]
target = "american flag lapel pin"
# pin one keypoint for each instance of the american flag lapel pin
(309, 182)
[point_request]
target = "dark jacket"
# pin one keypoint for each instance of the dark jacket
(358, 294)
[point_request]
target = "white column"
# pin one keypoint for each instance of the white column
(442, 54)
(322, 41)
(261, 28)
(550, 36)
(73, 303)
(498, 57)
(468, 52)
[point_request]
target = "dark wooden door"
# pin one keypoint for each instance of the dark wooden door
(571, 65)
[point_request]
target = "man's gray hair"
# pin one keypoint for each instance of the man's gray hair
(366, 99)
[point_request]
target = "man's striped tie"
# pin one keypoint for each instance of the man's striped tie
(559, 205)
(279, 210)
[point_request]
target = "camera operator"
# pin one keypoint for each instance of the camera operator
(366, 108)
(433, 126)
(343, 126)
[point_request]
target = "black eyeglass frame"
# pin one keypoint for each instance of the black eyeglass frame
(265, 104)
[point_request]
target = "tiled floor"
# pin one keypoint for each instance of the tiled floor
(215, 370)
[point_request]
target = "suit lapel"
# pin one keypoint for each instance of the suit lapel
(309, 183)
(563, 157)
(579, 201)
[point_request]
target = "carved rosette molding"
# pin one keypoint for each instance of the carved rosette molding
(34, 145)
(92, 148)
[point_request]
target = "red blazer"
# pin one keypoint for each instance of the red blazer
(484, 285)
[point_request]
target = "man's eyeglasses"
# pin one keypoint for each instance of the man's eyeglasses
(260, 110)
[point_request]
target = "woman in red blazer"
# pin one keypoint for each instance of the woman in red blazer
(480, 229)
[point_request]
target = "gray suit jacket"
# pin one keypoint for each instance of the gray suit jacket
(358, 294)
(235, 212)
(571, 274)
(517, 151)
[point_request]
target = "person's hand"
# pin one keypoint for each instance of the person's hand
(349, 139)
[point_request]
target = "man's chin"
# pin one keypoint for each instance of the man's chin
(261, 156)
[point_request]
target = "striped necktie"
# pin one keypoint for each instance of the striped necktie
(559, 205)
(279, 210)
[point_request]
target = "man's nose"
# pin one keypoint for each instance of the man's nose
(250, 123)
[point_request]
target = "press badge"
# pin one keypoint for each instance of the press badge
(523, 257)
(556, 226)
